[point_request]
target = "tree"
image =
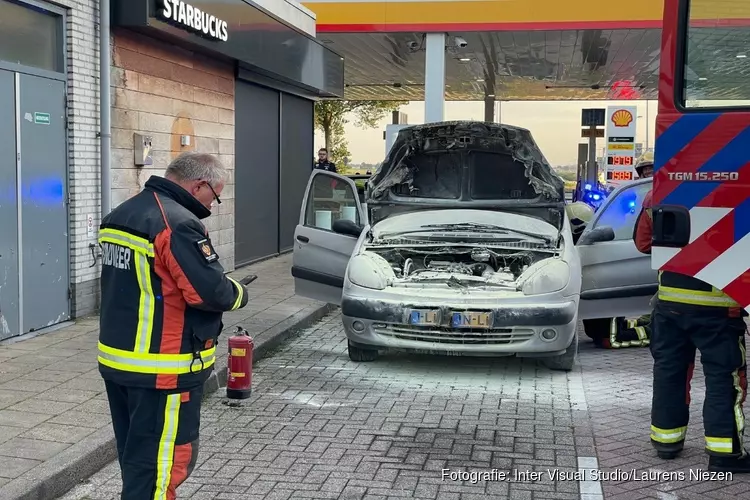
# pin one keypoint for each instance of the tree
(331, 116)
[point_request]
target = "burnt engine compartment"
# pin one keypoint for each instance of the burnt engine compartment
(473, 264)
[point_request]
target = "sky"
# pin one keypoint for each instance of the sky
(554, 125)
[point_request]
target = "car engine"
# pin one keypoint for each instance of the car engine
(466, 264)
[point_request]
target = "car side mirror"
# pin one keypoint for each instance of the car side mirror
(598, 235)
(347, 227)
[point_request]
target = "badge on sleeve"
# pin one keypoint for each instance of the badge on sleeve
(207, 250)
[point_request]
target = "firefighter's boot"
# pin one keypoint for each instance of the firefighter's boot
(668, 451)
(735, 465)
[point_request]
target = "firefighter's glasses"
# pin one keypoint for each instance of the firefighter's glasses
(216, 196)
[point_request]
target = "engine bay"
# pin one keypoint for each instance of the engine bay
(467, 265)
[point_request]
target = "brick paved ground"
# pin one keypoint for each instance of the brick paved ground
(320, 426)
(51, 394)
(618, 392)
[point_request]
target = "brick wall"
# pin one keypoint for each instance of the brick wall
(83, 161)
(164, 92)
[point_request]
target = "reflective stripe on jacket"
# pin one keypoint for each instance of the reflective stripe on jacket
(163, 291)
(681, 289)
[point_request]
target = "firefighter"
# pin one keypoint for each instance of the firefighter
(579, 214)
(163, 292)
(631, 332)
(690, 314)
(645, 165)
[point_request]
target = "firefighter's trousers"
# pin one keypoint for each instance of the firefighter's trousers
(676, 333)
(157, 438)
(627, 333)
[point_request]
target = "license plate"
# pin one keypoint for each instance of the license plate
(471, 320)
(423, 317)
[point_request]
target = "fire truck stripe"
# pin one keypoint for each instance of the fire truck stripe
(715, 137)
(742, 220)
(731, 158)
(729, 194)
(704, 218)
(676, 137)
(739, 288)
(704, 249)
(724, 271)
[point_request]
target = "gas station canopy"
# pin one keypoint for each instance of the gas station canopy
(530, 49)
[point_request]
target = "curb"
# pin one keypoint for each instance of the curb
(70, 468)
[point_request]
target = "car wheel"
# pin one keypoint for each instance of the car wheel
(359, 354)
(564, 362)
(596, 328)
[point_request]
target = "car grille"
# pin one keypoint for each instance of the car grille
(444, 335)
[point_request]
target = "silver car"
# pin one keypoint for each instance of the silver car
(617, 279)
(462, 247)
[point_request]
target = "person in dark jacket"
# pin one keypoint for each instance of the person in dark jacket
(163, 293)
(323, 162)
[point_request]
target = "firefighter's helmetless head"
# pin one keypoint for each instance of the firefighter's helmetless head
(645, 165)
(200, 174)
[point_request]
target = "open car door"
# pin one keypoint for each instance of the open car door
(320, 254)
(618, 280)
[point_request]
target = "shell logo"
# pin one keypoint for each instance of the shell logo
(622, 118)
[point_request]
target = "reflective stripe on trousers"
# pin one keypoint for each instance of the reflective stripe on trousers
(639, 330)
(165, 459)
(668, 436)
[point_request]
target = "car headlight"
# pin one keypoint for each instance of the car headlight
(548, 278)
(369, 270)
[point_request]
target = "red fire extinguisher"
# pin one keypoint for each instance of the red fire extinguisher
(240, 365)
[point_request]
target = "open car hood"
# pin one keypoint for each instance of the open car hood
(466, 164)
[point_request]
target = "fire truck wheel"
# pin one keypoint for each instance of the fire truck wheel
(596, 328)
(362, 355)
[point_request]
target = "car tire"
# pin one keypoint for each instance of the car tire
(596, 328)
(566, 361)
(362, 355)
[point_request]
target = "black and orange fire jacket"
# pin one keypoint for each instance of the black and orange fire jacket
(163, 291)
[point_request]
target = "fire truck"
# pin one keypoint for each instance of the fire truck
(701, 192)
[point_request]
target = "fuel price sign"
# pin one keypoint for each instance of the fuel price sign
(621, 128)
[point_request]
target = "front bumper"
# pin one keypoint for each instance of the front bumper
(516, 329)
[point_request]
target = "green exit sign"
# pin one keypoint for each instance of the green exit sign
(41, 118)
